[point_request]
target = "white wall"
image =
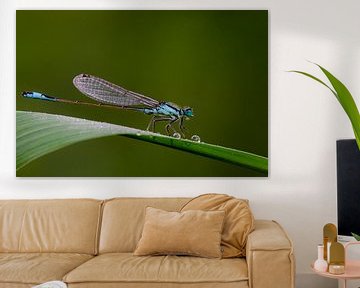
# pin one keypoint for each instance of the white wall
(305, 120)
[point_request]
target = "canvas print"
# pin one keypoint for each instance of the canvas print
(142, 93)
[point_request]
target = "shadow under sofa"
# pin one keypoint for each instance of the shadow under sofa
(90, 243)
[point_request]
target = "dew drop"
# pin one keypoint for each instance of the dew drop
(176, 135)
(195, 138)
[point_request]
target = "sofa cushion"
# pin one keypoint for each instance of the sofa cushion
(126, 268)
(238, 223)
(36, 268)
(193, 232)
(123, 220)
(63, 226)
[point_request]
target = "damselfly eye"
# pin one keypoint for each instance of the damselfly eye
(188, 112)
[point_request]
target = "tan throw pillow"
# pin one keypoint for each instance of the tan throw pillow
(196, 233)
(239, 220)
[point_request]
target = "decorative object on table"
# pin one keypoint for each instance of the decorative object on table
(333, 251)
(340, 266)
(349, 271)
(336, 269)
(344, 97)
(320, 264)
(329, 236)
(51, 284)
(337, 258)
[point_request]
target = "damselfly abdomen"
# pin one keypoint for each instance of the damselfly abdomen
(111, 95)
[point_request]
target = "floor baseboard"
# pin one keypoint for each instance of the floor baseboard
(309, 280)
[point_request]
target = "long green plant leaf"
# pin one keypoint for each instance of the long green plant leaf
(38, 134)
(356, 236)
(344, 97)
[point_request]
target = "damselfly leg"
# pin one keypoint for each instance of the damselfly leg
(182, 127)
(169, 125)
(151, 127)
(154, 119)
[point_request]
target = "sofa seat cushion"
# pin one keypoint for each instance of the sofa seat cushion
(127, 268)
(36, 268)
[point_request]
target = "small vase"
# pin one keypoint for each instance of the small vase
(320, 264)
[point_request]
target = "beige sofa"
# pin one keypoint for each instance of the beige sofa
(89, 243)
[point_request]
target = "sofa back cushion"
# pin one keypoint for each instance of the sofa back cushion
(123, 220)
(67, 226)
(238, 224)
(193, 232)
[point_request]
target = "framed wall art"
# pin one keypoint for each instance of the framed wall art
(142, 93)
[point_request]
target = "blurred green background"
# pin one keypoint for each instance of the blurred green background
(213, 61)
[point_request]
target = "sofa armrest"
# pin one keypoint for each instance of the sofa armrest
(269, 256)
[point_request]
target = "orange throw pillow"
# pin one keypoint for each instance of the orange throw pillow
(239, 220)
(196, 233)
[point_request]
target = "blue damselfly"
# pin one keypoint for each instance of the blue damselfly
(110, 95)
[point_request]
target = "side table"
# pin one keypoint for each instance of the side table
(352, 268)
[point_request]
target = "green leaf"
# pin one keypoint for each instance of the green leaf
(356, 236)
(316, 79)
(38, 134)
(344, 97)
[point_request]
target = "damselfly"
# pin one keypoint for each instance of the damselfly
(111, 95)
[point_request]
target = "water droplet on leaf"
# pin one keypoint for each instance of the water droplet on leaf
(176, 135)
(195, 138)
